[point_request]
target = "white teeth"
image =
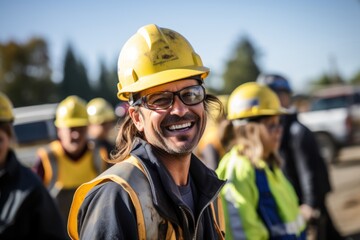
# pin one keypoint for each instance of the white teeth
(176, 127)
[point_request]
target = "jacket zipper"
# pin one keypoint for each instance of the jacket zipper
(203, 209)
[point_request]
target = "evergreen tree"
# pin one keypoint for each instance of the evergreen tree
(75, 81)
(242, 67)
(356, 78)
(106, 86)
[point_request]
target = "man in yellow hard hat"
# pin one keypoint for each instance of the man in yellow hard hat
(68, 162)
(157, 189)
(26, 207)
(102, 120)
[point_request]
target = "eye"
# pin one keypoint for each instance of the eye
(190, 94)
(159, 99)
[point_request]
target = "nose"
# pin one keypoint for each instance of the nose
(75, 134)
(178, 107)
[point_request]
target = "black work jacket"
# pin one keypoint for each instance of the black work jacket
(303, 164)
(27, 209)
(107, 212)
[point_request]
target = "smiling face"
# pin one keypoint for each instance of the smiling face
(175, 130)
(73, 139)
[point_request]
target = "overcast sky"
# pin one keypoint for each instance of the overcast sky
(301, 39)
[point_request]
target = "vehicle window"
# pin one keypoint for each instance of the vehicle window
(330, 103)
(33, 132)
(357, 98)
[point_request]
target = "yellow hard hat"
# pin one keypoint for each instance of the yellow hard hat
(71, 112)
(100, 111)
(154, 56)
(6, 109)
(253, 100)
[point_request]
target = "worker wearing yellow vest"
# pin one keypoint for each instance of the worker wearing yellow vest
(68, 162)
(157, 189)
(102, 121)
(259, 202)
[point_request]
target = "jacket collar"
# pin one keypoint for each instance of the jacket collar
(205, 180)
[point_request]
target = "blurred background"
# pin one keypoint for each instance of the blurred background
(52, 49)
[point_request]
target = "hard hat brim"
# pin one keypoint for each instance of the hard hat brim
(263, 112)
(69, 123)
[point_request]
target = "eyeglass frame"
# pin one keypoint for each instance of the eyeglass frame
(142, 100)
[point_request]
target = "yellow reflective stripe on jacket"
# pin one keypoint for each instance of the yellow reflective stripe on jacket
(48, 173)
(218, 215)
(147, 220)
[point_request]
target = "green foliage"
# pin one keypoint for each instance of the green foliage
(242, 67)
(25, 73)
(106, 86)
(75, 81)
(356, 78)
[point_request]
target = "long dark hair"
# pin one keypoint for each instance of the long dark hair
(128, 132)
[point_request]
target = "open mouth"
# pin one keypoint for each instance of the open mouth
(180, 127)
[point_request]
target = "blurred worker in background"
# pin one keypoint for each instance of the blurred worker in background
(68, 162)
(158, 189)
(26, 207)
(303, 163)
(259, 202)
(211, 148)
(102, 120)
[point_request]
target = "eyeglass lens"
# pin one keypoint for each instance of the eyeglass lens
(273, 127)
(161, 100)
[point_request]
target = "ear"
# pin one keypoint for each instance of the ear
(136, 118)
(59, 133)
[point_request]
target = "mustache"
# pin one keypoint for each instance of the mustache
(171, 119)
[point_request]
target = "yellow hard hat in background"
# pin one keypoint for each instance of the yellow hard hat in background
(154, 56)
(6, 109)
(100, 111)
(71, 112)
(253, 100)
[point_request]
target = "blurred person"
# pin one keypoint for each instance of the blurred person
(70, 160)
(157, 189)
(102, 120)
(210, 148)
(259, 202)
(26, 207)
(303, 163)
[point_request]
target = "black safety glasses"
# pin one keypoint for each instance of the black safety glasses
(162, 100)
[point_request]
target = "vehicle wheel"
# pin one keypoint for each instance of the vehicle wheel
(328, 148)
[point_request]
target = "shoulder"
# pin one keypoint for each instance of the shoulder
(107, 211)
(116, 182)
(108, 190)
(108, 197)
(235, 165)
(28, 178)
